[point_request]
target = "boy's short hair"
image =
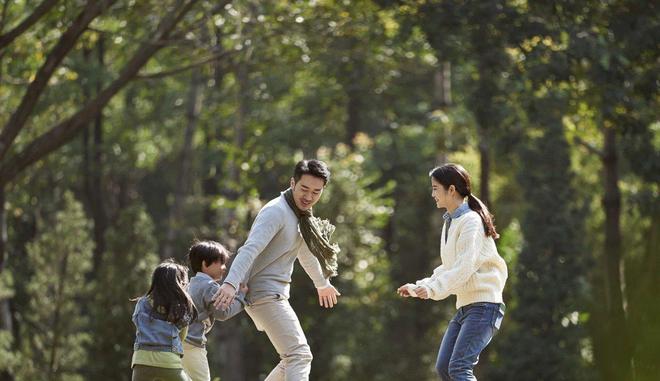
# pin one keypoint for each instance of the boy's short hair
(206, 252)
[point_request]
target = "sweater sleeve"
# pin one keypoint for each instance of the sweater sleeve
(236, 306)
(446, 280)
(312, 266)
(268, 223)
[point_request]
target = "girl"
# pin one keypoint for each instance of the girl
(471, 269)
(161, 318)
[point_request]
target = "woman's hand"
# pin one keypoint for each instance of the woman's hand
(403, 291)
(421, 292)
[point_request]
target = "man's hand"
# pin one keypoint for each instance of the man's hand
(224, 296)
(328, 296)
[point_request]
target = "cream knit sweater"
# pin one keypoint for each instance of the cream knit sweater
(471, 267)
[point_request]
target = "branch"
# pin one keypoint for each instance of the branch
(166, 73)
(41, 10)
(66, 130)
(590, 147)
(66, 42)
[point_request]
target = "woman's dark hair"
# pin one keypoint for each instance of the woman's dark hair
(313, 167)
(169, 296)
(456, 175)
(207, 252)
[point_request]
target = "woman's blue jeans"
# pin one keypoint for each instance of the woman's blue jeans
(468, 333)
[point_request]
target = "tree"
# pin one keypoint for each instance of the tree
(55, 325)
(125, 274)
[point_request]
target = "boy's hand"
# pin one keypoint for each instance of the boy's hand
(243, 288)
(328, 296)
(224, 296)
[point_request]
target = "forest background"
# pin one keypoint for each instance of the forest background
(130, 128)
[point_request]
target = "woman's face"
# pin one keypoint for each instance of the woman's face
(439, 194)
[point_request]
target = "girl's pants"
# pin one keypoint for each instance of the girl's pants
(468, 333)
(152, 373)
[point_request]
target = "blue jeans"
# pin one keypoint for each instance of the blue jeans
(468, 333)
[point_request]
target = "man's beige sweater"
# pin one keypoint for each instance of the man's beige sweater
(265, 261)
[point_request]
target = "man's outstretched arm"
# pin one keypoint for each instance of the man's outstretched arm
(327, 292)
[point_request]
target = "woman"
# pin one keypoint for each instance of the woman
(471, 269)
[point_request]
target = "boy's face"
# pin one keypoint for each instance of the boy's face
(215, 270)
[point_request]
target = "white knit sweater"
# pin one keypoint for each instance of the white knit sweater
(471, 267)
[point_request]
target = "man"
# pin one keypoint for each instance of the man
(285, 230)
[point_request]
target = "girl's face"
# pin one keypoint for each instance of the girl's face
(443, 197)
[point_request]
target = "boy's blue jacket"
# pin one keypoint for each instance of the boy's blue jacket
(201, 289)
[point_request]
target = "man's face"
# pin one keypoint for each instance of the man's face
(307, 191)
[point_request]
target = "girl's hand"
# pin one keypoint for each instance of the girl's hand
(421, 292)
(403, 291)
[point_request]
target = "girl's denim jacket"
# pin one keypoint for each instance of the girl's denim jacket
(154, 332)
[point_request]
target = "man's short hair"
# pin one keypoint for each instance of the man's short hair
(313, 167)
(206, 252)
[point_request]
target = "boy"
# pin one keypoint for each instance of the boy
(208, 260)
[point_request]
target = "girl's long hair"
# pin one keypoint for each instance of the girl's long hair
(456, 175)
(169, 296)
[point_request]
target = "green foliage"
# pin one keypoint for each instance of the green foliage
(125, 274)
(354, 83)
(55, 328)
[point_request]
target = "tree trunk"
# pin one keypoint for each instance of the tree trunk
(619, 352)
(93, 168)
(232, 336)
(239, 127)
(354, 109)
(442, 85)
(484, 176)
(5, 309)
(212, 168)
(185, 162)
(54, 353)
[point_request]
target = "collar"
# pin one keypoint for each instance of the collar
(203, 275)
(461, 210)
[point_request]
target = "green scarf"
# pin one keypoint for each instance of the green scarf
(316, 233)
